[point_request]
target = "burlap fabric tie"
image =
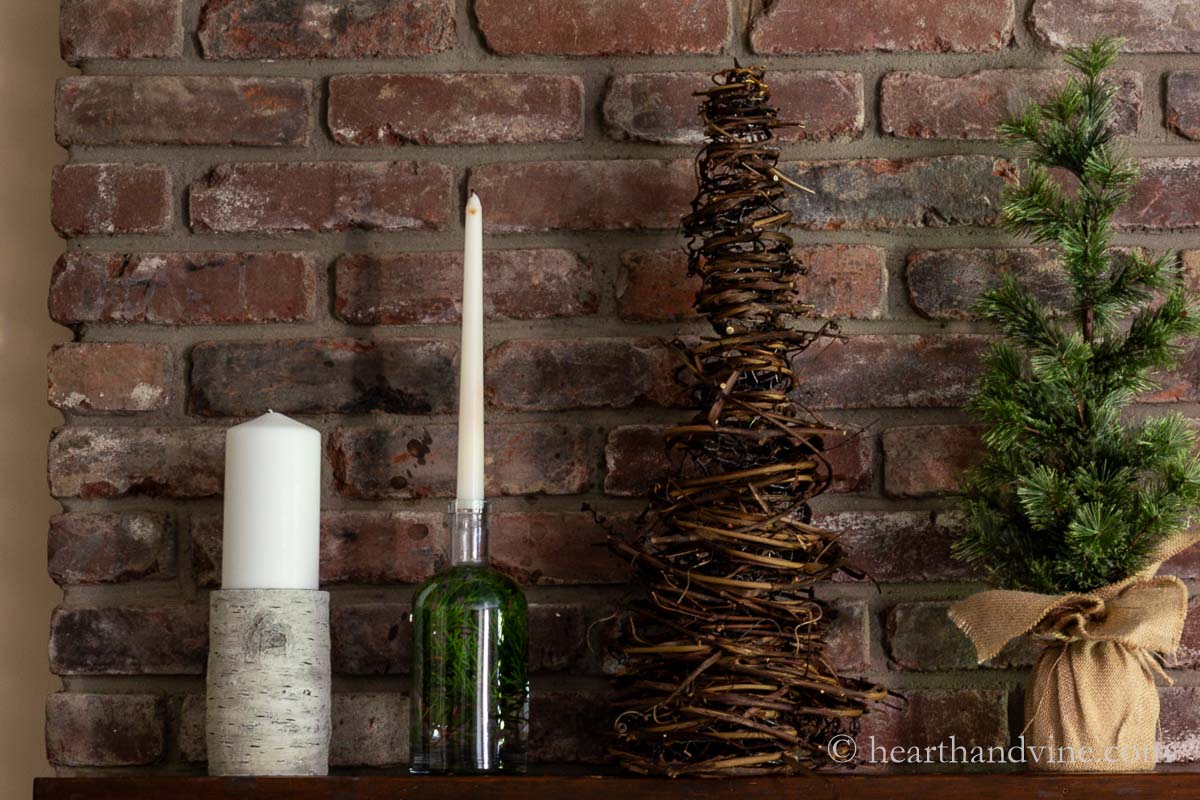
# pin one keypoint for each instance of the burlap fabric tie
(1091, 704)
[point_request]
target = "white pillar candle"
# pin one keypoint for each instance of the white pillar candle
(272, 505)
(470, 382)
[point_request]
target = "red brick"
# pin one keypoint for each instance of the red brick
(873, 371)
(618, 27)
(1188, 655)
(321, 196)
(569, 725)
(920, 105)
(558, 635)
(420, 461)
(849, 637)
(169, 109)
(921, 637)
(1185, 565)
(90, 548)
(191, 737)
(110, 377)
(843, 281)
(558, 374)
(110, 199)
(371, 639)
(661, 107)
(457, 108)
(365, 547)
(184, 288)
(974, 717)
(946, 284)
(265, 29)
(104, 730)
(552, 548)
(1183, 103)
(900, 546)
(1167, 196)
(411, 288)
(636, 461)
(928, 460)
(315, 376)
(120, 29)
(1145, 26)
(129, 641)
(876, 193)
(1179, 725)
(369, 730)
(854, 26)
(1181, 384)
(584, 195)
(95, 462)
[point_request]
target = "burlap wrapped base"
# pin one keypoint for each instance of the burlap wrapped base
(1092, 703)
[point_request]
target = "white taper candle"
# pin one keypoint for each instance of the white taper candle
(470, 386)
(272, 505)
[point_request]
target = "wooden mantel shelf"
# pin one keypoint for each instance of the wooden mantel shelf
(840, 787)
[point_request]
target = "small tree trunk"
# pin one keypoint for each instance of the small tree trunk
(268, 682)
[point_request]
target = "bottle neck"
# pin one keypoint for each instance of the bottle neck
(468, 532)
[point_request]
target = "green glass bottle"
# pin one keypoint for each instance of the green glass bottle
(470, 695)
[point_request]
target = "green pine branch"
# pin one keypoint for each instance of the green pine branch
(1070, 494)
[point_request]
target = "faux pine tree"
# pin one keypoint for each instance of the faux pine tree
(1073, 494)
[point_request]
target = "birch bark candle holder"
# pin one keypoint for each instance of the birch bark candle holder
(268, 682)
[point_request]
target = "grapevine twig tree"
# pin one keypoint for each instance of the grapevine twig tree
(724, 668)
(1073, 495)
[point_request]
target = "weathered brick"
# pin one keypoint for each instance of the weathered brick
(843, 282)
(192, 731)
(104, 730)
(1188, 655)
(115, 547)
(93, 462)
(900, 546)
(920, 105)
(457, 108)
(371, 639)
(946, 284)
(557, 374)
(1166, 197)
(974, 717)
(636, 459)
(873, 371)
(618, 27)
(551, 548)
(928, 460)
(321, 196)
(420, 461)
(584, 195)
(110, 199)
(369, 730)
(558, 634)
(109, 377)
(910, 193)
(368, 547)
(137, 640)
(120, 29)
(1179, 725)
(1145, 26)
(410, 288)
(1183, 103)
(661, 107)
(314, 376)
(172, 109)
(921, 637)
(184, 288)
(265, 29)
(854, 26)
(1180, 384)
(849, 637)
(568, 725)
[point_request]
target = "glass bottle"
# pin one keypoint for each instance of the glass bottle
(470, 695)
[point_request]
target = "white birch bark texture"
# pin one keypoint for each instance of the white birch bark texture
(268, 682)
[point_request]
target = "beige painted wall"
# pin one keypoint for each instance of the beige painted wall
(28, 246)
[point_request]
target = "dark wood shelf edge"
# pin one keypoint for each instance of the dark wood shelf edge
(975, 786)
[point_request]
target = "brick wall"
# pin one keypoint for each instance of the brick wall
(262, 209)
